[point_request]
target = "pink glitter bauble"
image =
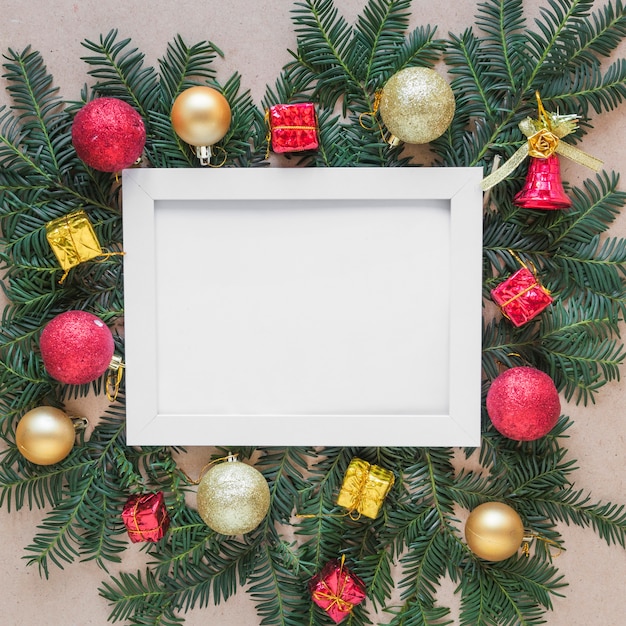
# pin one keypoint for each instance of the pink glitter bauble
(523, 404)
(108, 134)
(76, 347)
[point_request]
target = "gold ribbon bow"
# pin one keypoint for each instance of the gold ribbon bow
(74, 241)
(543, 140)
(364, 488)
(335, 596)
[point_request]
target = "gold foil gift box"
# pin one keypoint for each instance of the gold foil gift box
(73, 240)
(364, 488)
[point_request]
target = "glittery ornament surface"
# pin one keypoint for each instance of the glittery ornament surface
(145, 517)
(76, 347)
(494, 531)
(365, 488)
(108, 134)
(337, 590)
(233, 498)
(521, 297)
(417, 105)
(45, 435)
(293, 127)
(523, 403)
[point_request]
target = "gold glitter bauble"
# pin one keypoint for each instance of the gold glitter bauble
(201, 116)
(494, 531)
(417, 105)
(233, 498)
(45, 435)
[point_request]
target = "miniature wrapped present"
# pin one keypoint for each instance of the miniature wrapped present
(337, 590)
(73, 240)
(521, 297)
(145, 517)
(292, 127)
(364, 488)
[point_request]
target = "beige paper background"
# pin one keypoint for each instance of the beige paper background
(255, 36)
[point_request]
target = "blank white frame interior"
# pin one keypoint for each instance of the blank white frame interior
(303, 306)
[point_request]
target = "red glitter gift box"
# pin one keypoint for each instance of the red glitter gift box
(337, 590)
(521, 297)
(145, 517)
(293, 127)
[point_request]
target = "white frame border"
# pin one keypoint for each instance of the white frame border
(142, 188)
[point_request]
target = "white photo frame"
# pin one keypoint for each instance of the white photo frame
(303, 306)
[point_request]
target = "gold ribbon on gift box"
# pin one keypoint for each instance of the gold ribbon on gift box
(73, 241)
(543, 139)
(335, 597)
(364, 488)
(271, 129)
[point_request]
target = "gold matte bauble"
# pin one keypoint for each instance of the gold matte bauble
(45, 435)
(201, 116)
(494, 531)
(233, 498)
(417, 105)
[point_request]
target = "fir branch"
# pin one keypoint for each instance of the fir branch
(588, 87)
(512, 592)
(471, 489)
(426, 562)
(574, 506)
(75, 527)
(121, 74)
(594, 208)
(420, 48)
(58, 537)
(323, 44)
(28, 485)
(379, 31)
(503, 21)
(278, 597)
(131, 595)
(558, 28)
(375, 571)
(403, 527)
(494, 75)
(284, 468)
(184, 66)
(468, 64)
(226, 564)
(40, 112)
(600, 35)
(579, 358)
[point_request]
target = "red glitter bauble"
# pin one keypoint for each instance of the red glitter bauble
(108, 134)
(76, 347)
(523, 403)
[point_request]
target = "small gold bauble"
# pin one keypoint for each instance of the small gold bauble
(417, 105)
(233, 498)
(201, 116)
(494, 531)
(45, 435)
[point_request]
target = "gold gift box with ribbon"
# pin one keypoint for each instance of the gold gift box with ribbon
(73, 240)
(364, 488)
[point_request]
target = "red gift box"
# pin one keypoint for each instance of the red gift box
(521, 297)
(293, 127)
(145, 517)
(337, 590)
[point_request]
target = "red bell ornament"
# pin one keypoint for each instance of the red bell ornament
(543, 188)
